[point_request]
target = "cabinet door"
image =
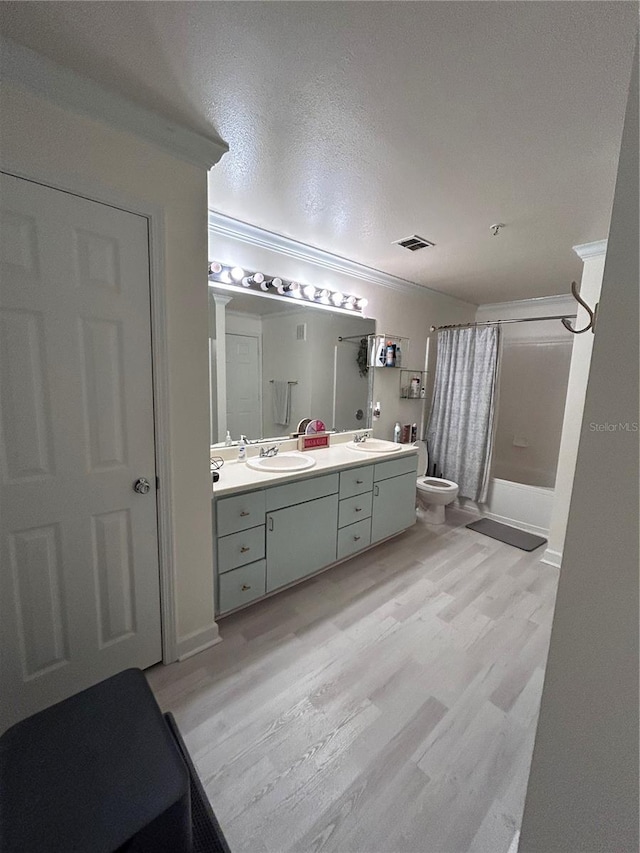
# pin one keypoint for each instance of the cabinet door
(394, 506)
(301, 540)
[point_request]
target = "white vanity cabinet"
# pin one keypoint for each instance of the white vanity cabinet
(271, 537)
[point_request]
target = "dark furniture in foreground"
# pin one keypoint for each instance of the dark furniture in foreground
(100, 772)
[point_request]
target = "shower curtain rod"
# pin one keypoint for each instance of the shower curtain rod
(502, 322)
(351, 338)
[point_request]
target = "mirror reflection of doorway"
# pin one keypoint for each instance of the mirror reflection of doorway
(244, 404)
(350, 386)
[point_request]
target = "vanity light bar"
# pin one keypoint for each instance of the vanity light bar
(232, 275)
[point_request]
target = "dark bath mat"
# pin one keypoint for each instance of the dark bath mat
(506, 534)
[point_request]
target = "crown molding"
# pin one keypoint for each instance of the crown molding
(28, 70)
(591, 250)
(260, 237)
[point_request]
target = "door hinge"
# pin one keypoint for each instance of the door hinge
(157, 483)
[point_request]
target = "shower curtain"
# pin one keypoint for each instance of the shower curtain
(461, 421)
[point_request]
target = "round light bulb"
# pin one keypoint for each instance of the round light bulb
(324, 296)
(350, 302)
(215, 268)
(337, 298)
(258, 277)
(295, 290)
(225, 278)
(362, 303)
(237, 273)
(246, 282)
(310, 291)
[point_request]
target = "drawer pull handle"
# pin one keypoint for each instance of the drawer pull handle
(359, 482)
(355, 538)
(376, 491)
(245, 587)
(244, 513)
(270, 523)
(358, 509)
(244, 549)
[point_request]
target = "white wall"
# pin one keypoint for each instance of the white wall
(594, 256)
(286, 359)
(409, 311)
(534, 371)
(65, 149)
(583, 789)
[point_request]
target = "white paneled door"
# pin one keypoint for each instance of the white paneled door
(79, 579)
(244, 415)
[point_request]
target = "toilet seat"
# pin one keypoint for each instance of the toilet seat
(436, 485)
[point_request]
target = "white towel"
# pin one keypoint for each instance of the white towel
(281, 402)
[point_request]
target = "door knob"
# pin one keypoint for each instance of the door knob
(142, 486)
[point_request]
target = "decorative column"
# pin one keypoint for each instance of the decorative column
(593, 256)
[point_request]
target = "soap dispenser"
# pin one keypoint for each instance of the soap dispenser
(396, 433)
(228, 440)
(242, 449)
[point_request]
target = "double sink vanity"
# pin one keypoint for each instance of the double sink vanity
(279, 519)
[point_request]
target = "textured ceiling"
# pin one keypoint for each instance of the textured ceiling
(354, 124)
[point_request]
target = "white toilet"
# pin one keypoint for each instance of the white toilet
(432, 493)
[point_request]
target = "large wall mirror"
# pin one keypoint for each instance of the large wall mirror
(273, 364)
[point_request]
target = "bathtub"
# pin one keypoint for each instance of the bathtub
(525, 507)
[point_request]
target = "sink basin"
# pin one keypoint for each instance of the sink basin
(282, 463)
(375, 445)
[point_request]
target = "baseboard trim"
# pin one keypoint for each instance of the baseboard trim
(198, 641)
(552, 558)
(521, 525)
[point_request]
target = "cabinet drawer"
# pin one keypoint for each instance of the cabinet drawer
(235, 550)
(353, 538)
(242, 585)
(356, 481)
(301, 491)
(354, 509)
(396, 467)
(239, 512)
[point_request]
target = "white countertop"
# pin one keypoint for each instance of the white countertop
(236, 477)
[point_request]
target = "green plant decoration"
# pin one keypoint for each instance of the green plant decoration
(362, 357)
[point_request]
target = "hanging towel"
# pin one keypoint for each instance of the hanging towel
(281, 402)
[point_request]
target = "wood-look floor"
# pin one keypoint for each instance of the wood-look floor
(386, 705)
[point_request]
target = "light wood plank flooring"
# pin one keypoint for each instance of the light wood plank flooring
(386, 705)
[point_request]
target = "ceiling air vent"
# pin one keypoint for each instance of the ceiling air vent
(414, 243)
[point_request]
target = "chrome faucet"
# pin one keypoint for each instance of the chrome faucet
(269, 451)
(360, 438)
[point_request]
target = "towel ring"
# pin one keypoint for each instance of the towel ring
(592, 314)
